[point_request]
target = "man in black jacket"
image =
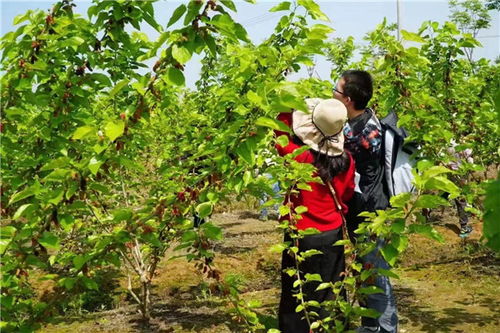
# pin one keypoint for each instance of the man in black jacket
(363, 138)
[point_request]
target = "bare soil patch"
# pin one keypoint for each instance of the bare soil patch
(449, 287)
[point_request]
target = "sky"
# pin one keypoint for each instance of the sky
(348, 18)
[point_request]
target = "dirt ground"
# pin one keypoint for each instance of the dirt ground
(450, 287)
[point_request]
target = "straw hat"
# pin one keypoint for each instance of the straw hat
(322, 128)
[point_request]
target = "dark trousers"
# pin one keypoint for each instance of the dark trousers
(197, 221)
(460, 204)
(330, 264)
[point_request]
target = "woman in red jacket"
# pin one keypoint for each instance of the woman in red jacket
(322, 131)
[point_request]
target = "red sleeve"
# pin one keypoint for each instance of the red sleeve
(285, 117)
(305, 157)
(344, 184)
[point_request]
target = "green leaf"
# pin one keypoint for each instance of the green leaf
(255, 98)
(58, 175)
(443, 184)
(272, 330)
(282, 140)
(313, 10)
(204, 209)
(13, 112)
(178, 12)
(364, 312)
(324, 285)
(89, 283)
(278, 248)
(273, 124)
(4, 244)
(139, 87)
(50, 241)
(189, 236)
(181, 54)
(390, 254)
(39, 65)
(400, 200)
(282, 6)
(400, 242)
(7, 231)
(66, 221)
(284, 210)
(304, 186)
(315, 325)
(95, 165)
(435, 171)
(211, 231)
(26, 193)
(72, 42)
(246, 151)
(491, 226)
(412, 37)
(99, 148)
(398, 226)
(151, 21)
(309, 231)
(342, 242)
(298, 151)
(310, 253)
(313, 277)
(92, 11)
(174, 77)
(320, 31)
(229, 4)
(212, 46)
(22, 17)
(193, 10)
(388, 273)
(82, 132)
(24, 209)
(122, 214)
(114, 129)
(130, 164)
(68, 282)
(118, 87)
(430, 201)
(427, 230)
(80, 260)
(300, 209)
(56, 196)
(289, 101)
(424, 164)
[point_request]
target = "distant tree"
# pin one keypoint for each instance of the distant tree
(493, 5)
(470, 16)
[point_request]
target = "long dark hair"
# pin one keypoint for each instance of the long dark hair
(328, 166)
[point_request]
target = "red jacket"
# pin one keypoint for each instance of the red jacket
(322, 213)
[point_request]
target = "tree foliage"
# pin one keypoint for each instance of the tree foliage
(105, 161)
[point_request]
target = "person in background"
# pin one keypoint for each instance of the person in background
(321, 131)
(460, 202)
(363, 139)
(265, 211)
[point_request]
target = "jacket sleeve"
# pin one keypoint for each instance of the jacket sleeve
(344, 184)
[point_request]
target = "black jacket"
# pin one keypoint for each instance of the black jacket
(363, 139)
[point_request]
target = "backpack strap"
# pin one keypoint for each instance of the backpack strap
(339, 208)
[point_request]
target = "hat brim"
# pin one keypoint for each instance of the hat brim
(306, 131)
